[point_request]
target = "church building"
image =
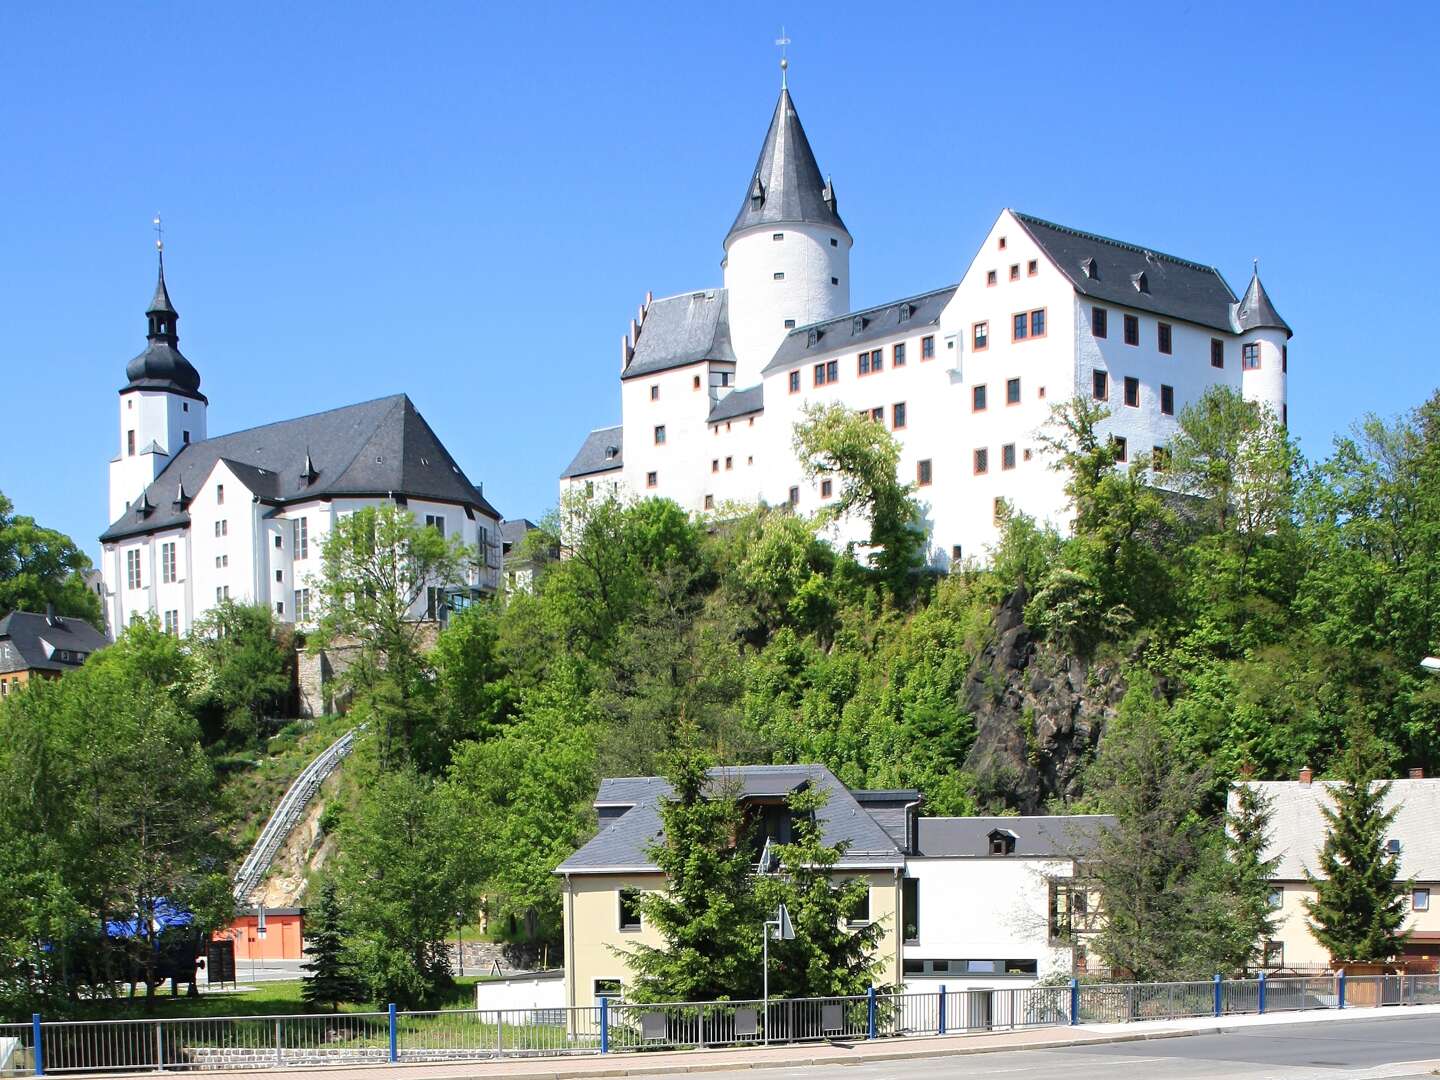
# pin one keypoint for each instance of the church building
(196, 520)
(713, 381)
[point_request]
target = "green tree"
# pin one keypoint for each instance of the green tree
(707, 915)
(41, 568)
(475, 696)
(328, 981)
(1249, 920)
(863, 458)
(243, 671)
(1359, 905)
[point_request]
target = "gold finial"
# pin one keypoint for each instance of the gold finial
(783, 41)
(159, 234)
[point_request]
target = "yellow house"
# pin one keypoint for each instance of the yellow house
(602, 880)
(1297, 833)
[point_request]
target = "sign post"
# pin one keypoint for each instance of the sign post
(784, 931)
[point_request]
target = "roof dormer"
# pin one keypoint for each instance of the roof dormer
(1002, 842)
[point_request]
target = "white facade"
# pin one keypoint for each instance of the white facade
(154, 424)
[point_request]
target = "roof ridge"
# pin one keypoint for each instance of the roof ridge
(293, 419)
(1031, 219)
(685, 294)
(877, 307)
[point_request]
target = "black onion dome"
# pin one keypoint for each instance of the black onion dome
(162, 366)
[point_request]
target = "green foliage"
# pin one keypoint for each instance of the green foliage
(329, 980)
(243, 672)
(41, 568)
(1359, 905)
(1250, 920)
(475, 695)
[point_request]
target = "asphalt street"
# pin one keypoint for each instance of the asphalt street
(1399, 1047)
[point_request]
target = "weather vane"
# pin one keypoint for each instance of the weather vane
(159, 234)
(783, 41)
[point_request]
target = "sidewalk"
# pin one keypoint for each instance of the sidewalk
(794, 1056)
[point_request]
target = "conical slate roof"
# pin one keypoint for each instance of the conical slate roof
(162, 366)
(160, 302)
(786, 185)
(1257, 312)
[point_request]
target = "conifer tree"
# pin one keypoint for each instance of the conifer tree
(328, 979)
(1250, 920)
(1359, 906)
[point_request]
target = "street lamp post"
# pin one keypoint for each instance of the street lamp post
(784, 931)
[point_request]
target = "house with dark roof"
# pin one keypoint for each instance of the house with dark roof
(43, 646)
(198, 519)
(713, 381)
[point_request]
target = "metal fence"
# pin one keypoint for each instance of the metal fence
(260, 1042)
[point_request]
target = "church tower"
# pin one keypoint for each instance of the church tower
(787, 256)
(161, 407)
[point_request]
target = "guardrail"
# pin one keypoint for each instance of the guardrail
(612, 1026)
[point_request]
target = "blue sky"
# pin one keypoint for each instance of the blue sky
(466, 202)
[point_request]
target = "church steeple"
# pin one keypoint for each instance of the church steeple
(161, 313)
(162, 366)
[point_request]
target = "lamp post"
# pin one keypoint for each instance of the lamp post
(784, 931)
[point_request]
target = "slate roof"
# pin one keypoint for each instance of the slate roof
(786, 185)
(594, 455)
(31, 642)
(680, 330)
(376, 448)
(739, 403)
(842, 332)
(513, 532)
(1297, 826)
(1052, 836)
(162, 366)
(1172, 286)
(1256, 310)
(623, 842)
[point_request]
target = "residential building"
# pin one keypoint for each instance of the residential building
(519, 564)
(603, 879)
(1297, 834)
(988, 901)
(713, 381)
(196, 520)
(43, 646)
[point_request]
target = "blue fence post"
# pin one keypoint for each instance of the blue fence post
(39, 1053)
(1219, 1000)
(1260, 996)
(1340, 988)
(604, 1025)
(1074, 1001)
(942, 1008)
(870, 1013)
(394, 1041)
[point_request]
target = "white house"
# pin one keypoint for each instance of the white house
(196, 520)
(712, 381)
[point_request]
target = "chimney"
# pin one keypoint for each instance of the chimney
(1417, 774)
(1306, 775)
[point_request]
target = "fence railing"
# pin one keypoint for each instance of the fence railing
(262, 1042)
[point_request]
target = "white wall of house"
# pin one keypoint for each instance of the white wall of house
(153, 416)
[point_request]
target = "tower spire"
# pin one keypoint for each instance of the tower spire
(782, 41)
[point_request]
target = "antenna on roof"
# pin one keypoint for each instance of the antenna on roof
(783, 41)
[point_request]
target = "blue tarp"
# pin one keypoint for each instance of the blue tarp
(167, 917)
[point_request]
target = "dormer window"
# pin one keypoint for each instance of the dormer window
(857, 325)
(1002, 842)
(906, 310)
(1141, 282)
(812, 338)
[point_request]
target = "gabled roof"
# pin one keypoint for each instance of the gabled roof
(1256, 311)
(857, 328)
(739, 403)
(786, 185)
(602, 451)
(1297, 825)
(376, 448)
(515, 530)
(680, 330)
(624, 842)
(33, 642)
(1136, 277)
(1042, 836)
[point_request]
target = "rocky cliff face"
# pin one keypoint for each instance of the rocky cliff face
(1038, 713)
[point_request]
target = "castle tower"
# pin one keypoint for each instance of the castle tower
(1264, 349)
(161, 407)
(787, 256)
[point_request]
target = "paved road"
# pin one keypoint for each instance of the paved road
(1337, 1051)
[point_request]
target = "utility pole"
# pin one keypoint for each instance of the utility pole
(784, 931)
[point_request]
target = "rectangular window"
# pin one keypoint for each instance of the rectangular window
(1250, 356)
(827, 488)
(897, 415)
(1162, 337)
(1020, 326)
(1007, 456)
(927, 348)
(279, 607)
(436, 522)
(981, 461)
(1160, 459)
(977, 398)
(1167, 400)
(1099, 322)
(820, 375)
(1132, 330)
(302, 605)
(1037, 323)
(878, 413)
(1276, 898)
(130, 443)
(794, 496)
(1012, 391)
(172, 622)
(655, 392)
(185, 437)
(899, 354)
(1217, 352)
(1274, 956)
(910, 907)
(1032, 267)
(859, 915)
(132, 568)
(1122, 448)
(1014, 271)
(219, 494)
(922, 472)
(779, 275)
(998, 511)
(980, 337)
(715, 464)
(659, 434)
(1420, 900)
(629, 909)
(832, 371)
(709, 502)
(279, 577)
(989, 278)
(794, 382)
(651, 479)
(279, 542)
(1100, 385)
(302, 538)
(167, 563)
(1132, 391)
(1284, 359)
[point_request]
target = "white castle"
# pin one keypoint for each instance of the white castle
(713, 381)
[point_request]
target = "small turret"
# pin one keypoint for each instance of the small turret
(1264, 349)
